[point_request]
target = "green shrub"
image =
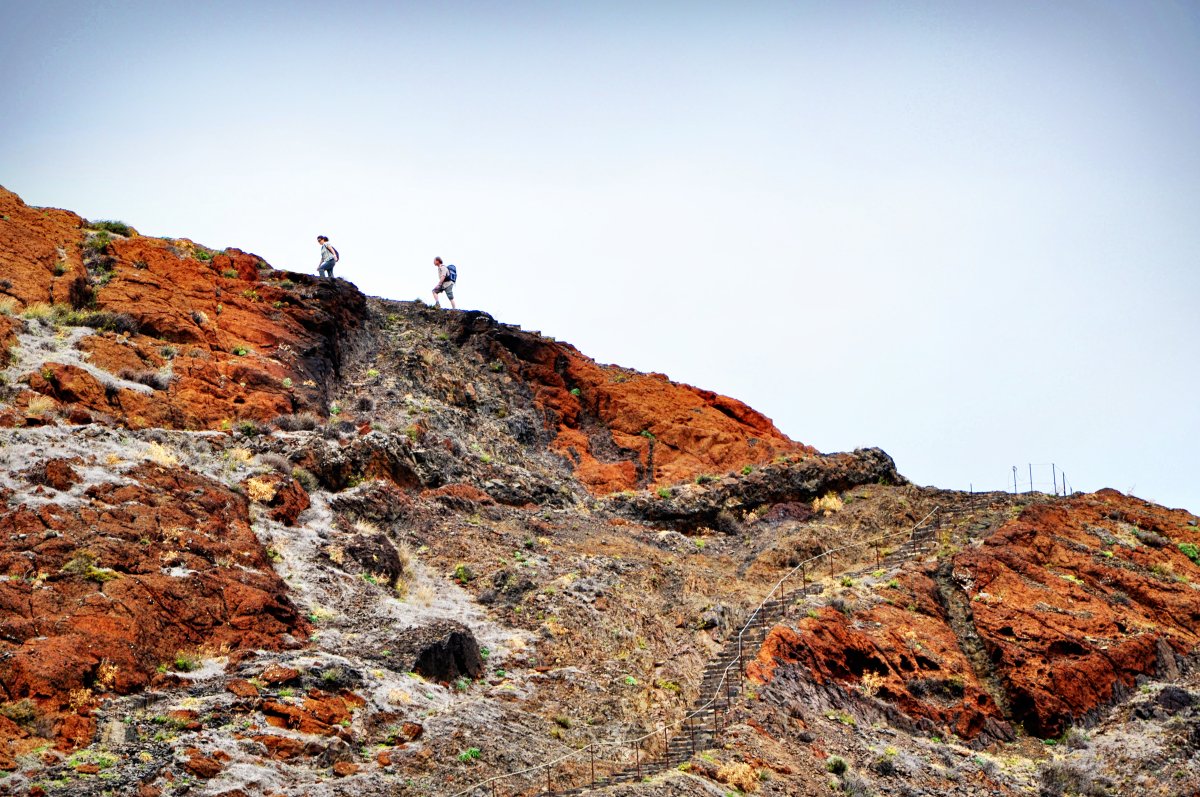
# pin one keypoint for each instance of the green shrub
(470, 755)
(1190, 551)
(836, 765)
(116, 227)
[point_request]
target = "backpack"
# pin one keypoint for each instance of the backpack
(452, 273)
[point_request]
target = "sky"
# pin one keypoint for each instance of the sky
(966, 233)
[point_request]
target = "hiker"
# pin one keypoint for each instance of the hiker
(447, 275)
(329, 256)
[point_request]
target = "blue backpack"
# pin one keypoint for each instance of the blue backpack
(452, 273)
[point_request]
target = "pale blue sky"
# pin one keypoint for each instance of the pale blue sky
(966, 233)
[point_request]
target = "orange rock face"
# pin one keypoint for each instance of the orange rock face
(623, 430)
(99, 595)
(220, 336)
(1055, 615)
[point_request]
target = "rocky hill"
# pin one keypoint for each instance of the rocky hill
(263, 535)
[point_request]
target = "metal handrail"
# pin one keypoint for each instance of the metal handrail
(596, 745)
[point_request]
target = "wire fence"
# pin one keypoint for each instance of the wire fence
(697, 721)
(1032, 477)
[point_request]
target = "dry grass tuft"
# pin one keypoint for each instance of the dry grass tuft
(260, 489)
(424, 595)
(37, 310)
(336, 554)
(240, 456)
(366, 527)
(81, 699)
(106, 675)
(7, 305)
(828, 503)
(161, 455)
(40, 406)
(739, 775)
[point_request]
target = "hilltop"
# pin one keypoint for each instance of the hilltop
(261, 534)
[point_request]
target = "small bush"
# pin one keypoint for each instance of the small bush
(97, 243)
(7, 305)
(836, 765)
(1151, 539)
(250, 428)
(158, 380)
(185, 662)
(470, 755)
(116, 227)
(1060, 778)
(303, 422)
(239, 351)
(22, 712)
(364, 404)
(463, 573)
(306, 479)
(1190, 550)
(663, 492)
(121, 323)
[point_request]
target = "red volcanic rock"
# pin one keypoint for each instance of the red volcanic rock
(242, 688)
(33, 244)
(1066, 605)
(138, 573)
(344, 768)
(278, 674)
(320, 713)
(621, 429)
(280, 747)
(202, 766)
(219, 336)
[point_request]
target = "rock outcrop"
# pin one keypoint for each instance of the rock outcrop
(1048, 618)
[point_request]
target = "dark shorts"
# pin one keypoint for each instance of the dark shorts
(447, 288)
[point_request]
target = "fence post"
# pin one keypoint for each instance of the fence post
(1014, 479)
(1054, 475)
(549, 788)
(877, 559)
(637, 753)
(803, 579)
(830, 563)
(692, 735)
(1030, 477)
(592, 762)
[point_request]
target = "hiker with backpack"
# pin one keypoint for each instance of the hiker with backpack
(329, 256)
(447, 276)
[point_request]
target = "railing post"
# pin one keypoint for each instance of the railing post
(877, 559)
(692, 735)
(637, 753)
(830, 554)
(592, 762)
(803, 579)
(549, 788)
